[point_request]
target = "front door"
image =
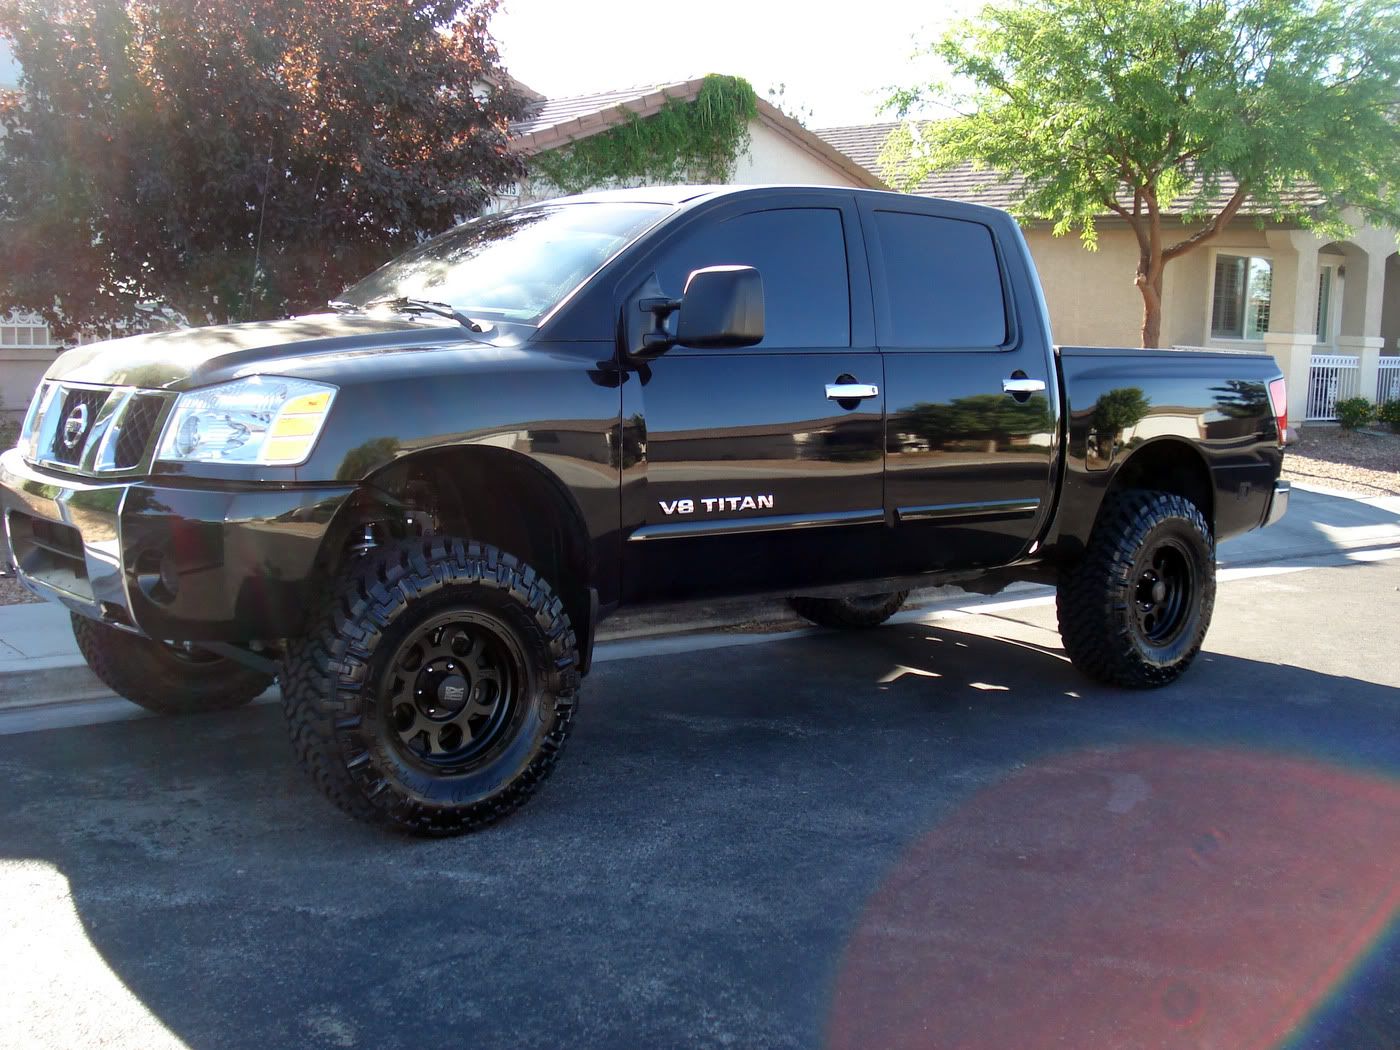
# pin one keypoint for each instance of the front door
(762, 465)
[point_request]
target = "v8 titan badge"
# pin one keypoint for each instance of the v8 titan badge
(716, 503)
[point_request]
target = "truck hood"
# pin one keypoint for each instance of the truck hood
(193, 357)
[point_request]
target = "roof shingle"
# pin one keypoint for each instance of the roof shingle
(863, 143)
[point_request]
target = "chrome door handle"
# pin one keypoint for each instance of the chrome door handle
(851, 391)
(1023, 386)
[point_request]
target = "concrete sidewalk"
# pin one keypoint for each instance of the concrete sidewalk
(39, 661)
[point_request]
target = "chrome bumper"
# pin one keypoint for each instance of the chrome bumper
(85, 574)
(1278, 504)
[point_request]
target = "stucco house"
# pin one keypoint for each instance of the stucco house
(1329, 312)
(780, 150)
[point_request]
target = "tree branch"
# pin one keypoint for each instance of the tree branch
(1216, 224)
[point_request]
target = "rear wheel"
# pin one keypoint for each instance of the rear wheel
(437, 688)
(1135, 609)
(853, 613)
(170, 678)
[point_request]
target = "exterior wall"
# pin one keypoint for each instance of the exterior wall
(1091, 295)
(1094, 302)
(22, 366)
(775, 158)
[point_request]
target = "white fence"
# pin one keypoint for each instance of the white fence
(1388, 381)
(1331, 378)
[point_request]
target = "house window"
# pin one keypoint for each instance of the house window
(1243, 288)
(24, 334)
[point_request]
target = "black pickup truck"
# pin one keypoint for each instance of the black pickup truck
(416, 508)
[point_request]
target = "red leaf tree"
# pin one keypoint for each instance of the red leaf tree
(237, 160)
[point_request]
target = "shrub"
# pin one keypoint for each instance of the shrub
(1355, 412)
(1389, 414)
(9, 429)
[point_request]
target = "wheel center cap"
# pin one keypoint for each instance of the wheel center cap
(446, 700)
(1159, 592)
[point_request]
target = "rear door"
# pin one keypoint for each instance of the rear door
(757, 474)
(970, 389)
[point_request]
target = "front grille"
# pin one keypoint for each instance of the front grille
(98, 430)
(76, 416)
(134, 431)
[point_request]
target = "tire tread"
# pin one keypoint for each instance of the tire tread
(325, 673)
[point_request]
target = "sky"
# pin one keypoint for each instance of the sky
(837, 60)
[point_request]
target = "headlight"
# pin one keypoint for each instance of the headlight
(264, 420)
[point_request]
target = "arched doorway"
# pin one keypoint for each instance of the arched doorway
(1388, 380)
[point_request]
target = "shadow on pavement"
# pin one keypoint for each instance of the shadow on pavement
(913, 837)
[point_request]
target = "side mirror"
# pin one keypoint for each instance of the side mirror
(722, 307)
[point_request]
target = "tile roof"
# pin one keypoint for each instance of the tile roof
(557, 121)
(863, 142)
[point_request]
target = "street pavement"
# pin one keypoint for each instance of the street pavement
(934, 834)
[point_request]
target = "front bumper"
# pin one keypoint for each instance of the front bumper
(195, 564)
(1278, 503)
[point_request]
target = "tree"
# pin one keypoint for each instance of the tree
(1132, 107)
(237, 160)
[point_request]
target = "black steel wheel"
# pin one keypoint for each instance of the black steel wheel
(170, 678)
(1135, 609)
(854, 613)
(452, 689)
(437, 688)
(1165, 590)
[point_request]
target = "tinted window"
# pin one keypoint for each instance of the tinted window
(801, 254)
(943, 282)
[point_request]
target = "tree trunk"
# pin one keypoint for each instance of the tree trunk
(1149, 283)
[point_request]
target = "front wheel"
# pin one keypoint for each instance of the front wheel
(855, 613)
(1135, 609)
(436, 689)
(168, 678)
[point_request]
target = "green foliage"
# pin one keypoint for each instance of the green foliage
(1119, 409)
(9, 430)
(1134, 106)
(237, 160)
(1353, 413)
(1389, 414)
(1242, 399)
(685, 141)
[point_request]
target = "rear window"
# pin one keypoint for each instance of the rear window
(943, 283)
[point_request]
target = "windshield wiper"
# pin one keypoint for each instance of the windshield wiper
(407, 304)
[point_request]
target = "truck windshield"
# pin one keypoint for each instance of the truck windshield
(514, 266)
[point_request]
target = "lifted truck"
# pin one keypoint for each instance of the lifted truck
(417, 508)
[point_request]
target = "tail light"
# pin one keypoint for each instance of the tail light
(1278, 399)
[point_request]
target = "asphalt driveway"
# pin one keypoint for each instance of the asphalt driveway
(926, 835)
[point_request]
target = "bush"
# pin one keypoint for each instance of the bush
(9, 429)
(1389, 414)
(1354, 413)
